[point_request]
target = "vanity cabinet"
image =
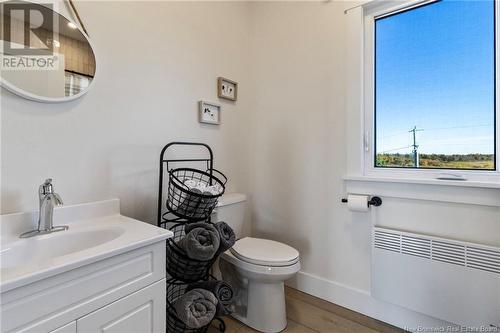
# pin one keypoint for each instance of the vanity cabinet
(122, 293)
(143, 311)
(69, 328)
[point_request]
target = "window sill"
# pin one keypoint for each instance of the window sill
(457, 183)
(453, 191)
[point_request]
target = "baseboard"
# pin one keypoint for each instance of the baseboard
(362, 302)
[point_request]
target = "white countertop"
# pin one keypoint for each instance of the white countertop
(96, 231)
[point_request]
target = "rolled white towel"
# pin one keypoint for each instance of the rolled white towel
(214, 189)
(202, 186)
(191, 183)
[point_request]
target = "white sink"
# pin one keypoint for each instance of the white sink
(96, 231)
(37, 249)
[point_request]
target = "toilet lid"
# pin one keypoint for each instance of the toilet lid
(264, 252)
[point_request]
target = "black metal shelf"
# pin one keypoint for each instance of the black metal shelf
(181, 270)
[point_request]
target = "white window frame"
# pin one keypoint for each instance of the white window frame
(371, 11)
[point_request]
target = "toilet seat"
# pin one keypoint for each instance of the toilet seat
(264, 252)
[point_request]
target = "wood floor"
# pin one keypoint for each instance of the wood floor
(308, 314)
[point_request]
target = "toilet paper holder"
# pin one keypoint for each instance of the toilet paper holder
(374, 201)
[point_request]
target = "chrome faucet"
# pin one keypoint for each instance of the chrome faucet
(48, 199)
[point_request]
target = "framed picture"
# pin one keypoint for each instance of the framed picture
(209, 113)
(227, 89)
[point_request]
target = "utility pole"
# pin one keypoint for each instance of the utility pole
(416, 160)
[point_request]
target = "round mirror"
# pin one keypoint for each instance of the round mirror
(44, 56)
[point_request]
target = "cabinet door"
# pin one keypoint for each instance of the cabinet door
(140, 312)
(69, 328)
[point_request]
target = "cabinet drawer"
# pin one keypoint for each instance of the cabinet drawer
(143, 311)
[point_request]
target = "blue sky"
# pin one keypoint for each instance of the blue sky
(434, 70)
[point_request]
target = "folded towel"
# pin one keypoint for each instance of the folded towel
(202, 187)
(227, 236)
(213, 189)
(196, 308)
(208, 203)
(222, 291)
(191, 183)
(194, 205)
(190, 203)
(201, 241)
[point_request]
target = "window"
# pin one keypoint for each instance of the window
(434, 101)
(74, 82)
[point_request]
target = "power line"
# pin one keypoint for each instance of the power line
(456, 144)
(415, 146)
(386, 151)
(435, 129)
(456, 127)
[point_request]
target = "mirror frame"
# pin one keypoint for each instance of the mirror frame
(36, 98)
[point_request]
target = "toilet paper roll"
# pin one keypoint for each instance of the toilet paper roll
(357, 203)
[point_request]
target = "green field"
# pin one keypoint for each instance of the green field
(438, 161)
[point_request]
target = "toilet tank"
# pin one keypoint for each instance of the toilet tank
(232, 210)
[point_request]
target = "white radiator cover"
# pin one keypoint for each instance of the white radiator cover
(447, 279)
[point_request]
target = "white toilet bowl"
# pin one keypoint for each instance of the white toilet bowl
(257, 269)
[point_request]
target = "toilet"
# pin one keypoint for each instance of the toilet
(256, 268)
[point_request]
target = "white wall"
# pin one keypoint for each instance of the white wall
(155, 61)
(299, 150)
(300, 52)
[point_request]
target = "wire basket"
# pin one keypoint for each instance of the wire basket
(187, 203)
(175, 289)
(179, 265)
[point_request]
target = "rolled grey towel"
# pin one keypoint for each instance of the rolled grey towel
(196, 308)
(201, 242)
(190, 226)
(227, 236)
(222, 291)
